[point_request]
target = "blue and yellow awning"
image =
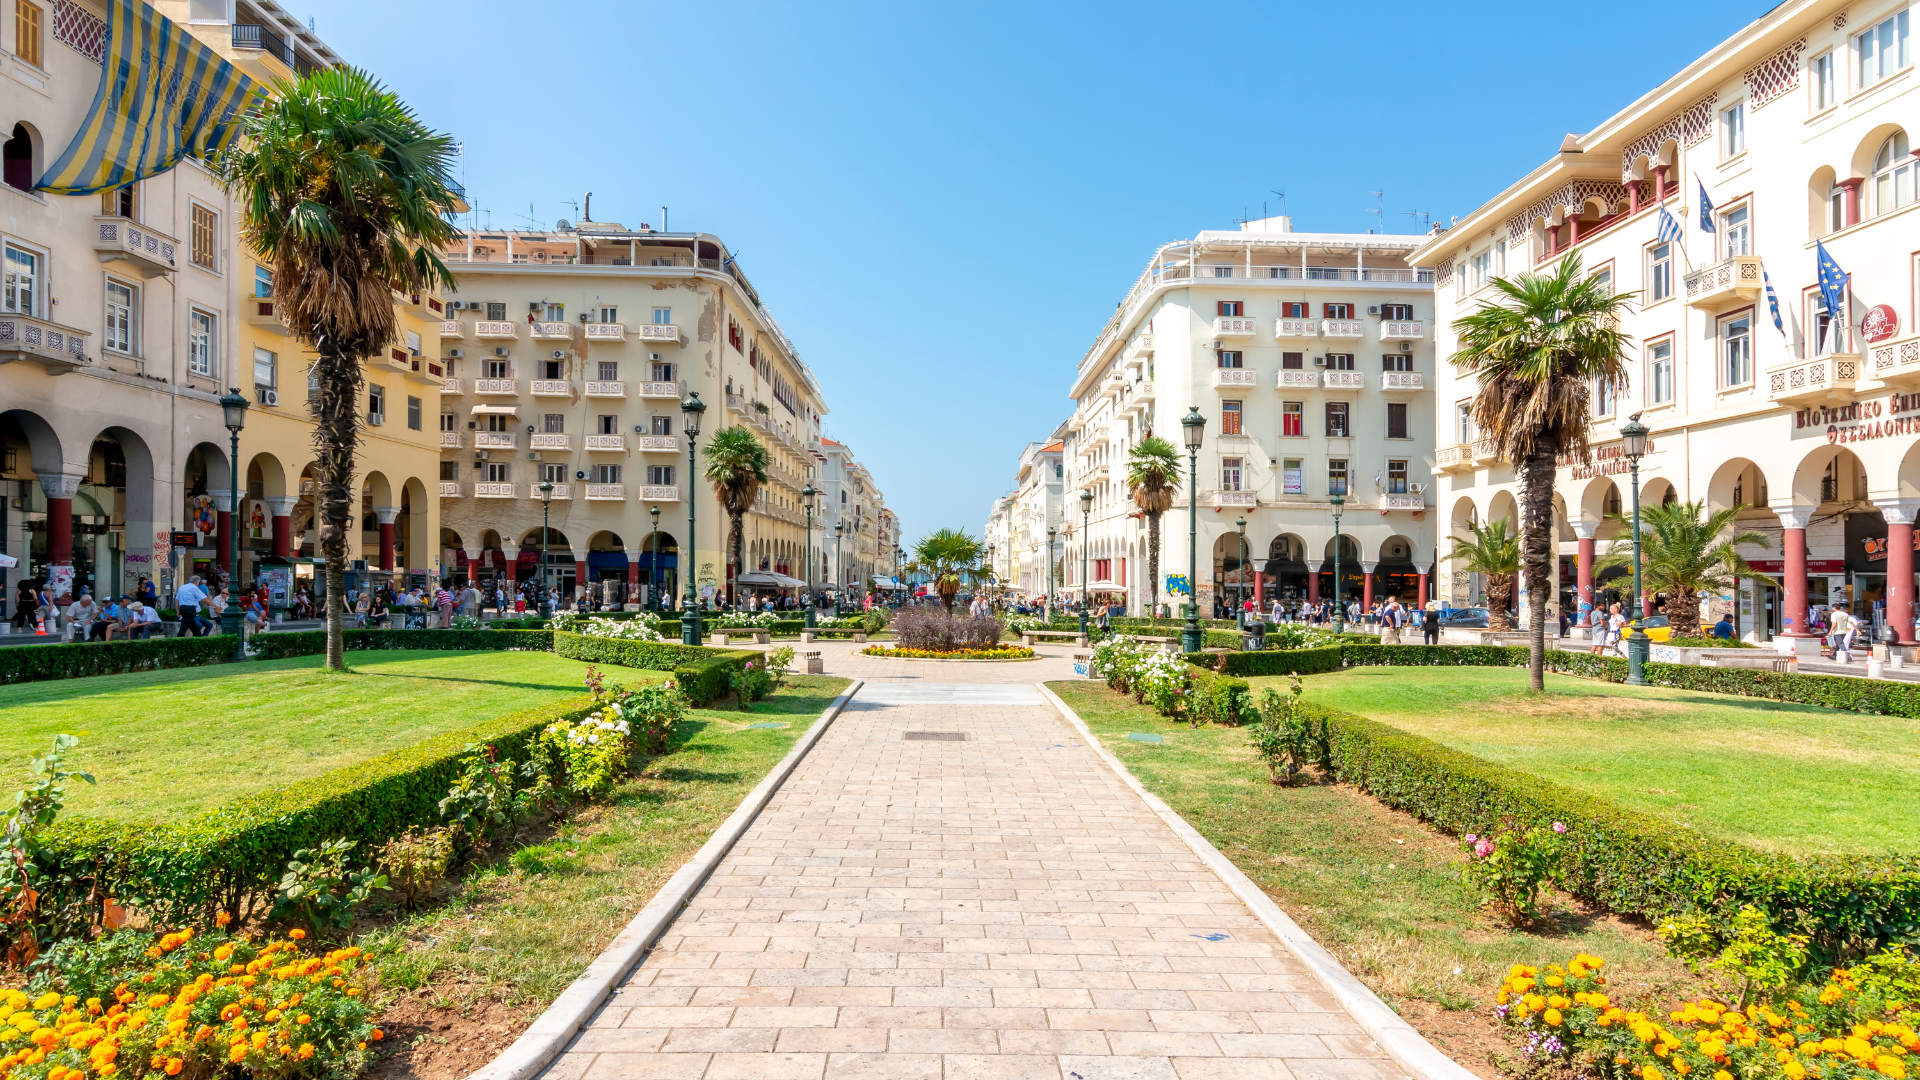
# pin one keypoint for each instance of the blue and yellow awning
(162, 96)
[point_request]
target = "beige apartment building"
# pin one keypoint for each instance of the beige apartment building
(1793, 135)
(568, 353)
(1310, 356)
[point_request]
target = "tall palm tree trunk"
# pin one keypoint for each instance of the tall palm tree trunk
(1153, 566)
(736, 530)
(334, 438)
(1537, 561)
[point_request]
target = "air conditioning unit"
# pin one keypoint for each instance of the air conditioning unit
(1319, 361)
(376, 419)
(653, 356)
(268, 395)
(479, 455)
(533, 455)
(559, 354)
(1417, 489)
(1374, 310)
(534, 307)
(499, 350)
(1406, 346)
(359, 566)
(455, 354)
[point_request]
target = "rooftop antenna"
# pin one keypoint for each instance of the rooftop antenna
(531, 224)
(1379, 212)
(1283, 200)
(575, 203)
(1425, 219)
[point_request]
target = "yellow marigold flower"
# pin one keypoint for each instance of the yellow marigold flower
(236, 1052)
(1554, 980)
(1552, 1017)
(273, 1016)
(297, 935)
(1722, 1074)
(359, 1046)
(1859, 1048)
(353, 991)
(1649, 1073)
(303, 1018)
(1557, 1001)
(222, 919)
(46, 1001)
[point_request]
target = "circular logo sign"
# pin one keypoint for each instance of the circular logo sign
(1880, 324)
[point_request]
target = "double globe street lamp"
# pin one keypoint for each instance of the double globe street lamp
(1193, 430)
(690, 411)
(234, 408)
(1086, 518)
(809, 494)
(1633, 437)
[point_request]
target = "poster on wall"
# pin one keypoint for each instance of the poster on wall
(258, 523)
(200, 515)
(1292, 482)
(60, 583)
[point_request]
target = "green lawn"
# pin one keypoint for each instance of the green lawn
(168, 743)
(1790, 778)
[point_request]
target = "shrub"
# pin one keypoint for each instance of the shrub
(1286, 737)
(1160, 680)
(933, 630)
(593, 750)
(320, 892)
(314, 642)
(875, 620)
(1216, 699)
(416, 861)
(1509, 867)
(1279, 661)
(703, 674)
(652, 710)
(1298, 636)
(623, 629)
(22, 879)
(750, 682)
(32, 663)
(995, 652)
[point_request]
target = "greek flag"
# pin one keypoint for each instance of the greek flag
(1706, 206)
(162, 96)
(1833, 284)
(1669, 228)
(1773, 302)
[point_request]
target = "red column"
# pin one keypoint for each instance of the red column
(579, 572)
(1850, 199)
(1583, 574)
(1313, 583)
(222, 533)
(282, 535)
(1793, 541)
(1633, 196)
(59, 491)
(1366, 586)
(1420, 601)
(386, 545)
(473, 566)
(633, 570)
(1659, 182)
(1259, 589)
(1900, 571)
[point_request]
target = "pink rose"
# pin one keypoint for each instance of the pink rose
(1471, 838)
(1559, 827)
(1483, 849)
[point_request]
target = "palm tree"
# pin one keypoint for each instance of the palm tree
(346, 193)
(1494, 554)
(945, 555)
(1153, 475)
(1684, 554)
(736, 467)
(1540, 353)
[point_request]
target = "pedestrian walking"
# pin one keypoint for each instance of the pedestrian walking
(187, 600)
(1844, 625)
(1430, 623)
(1616, 623)
(443, 600)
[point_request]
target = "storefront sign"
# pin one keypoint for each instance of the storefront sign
(1876, 546)
(1606, 461)
(1814, 566)
(1881, 323)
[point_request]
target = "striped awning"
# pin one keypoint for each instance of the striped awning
(162, 96)
(496, 410)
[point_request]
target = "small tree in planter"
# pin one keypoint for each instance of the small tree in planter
(1493, 553)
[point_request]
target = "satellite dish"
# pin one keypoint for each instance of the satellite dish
(563, 225)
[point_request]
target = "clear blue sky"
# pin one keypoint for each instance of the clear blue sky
(943, 203)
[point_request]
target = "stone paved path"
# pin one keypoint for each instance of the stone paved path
(995, 907)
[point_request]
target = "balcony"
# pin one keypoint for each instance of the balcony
(1344, 380)
(550, 388)
(664, 333)
(1402, 330)
(396, 359)
(606, 331)
(494, 440)
(660, 493)
(492, 490)
(495, 331)
(449, 489)
(1725, 284)
(450, 439)
(452, 388)
(672, 390)
(1403, 381)
(1813, 382)
(558, 491)
(669, 444)
(552, 331)
(116, 239)
(1403, 502)
(1297, 380)
(1233, 326)
(59, 348)
(1463, 457)
(1896, 362)
(496, 386)
(1235, 378)
(606, 492)
(261, 313)
(1343, 329)
(1291, 329)
(1140, 347)
(549, 441)
(607, 389)
(451, 328)
(1245, 499)
(427, 370)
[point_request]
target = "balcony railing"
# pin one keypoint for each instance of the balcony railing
(59, 348)
(606, 442)
(606, 492)
(261, 313)
(559, 491)
(1230, 326)
(550, 388)
(552, 331)
(1344, 380)
(1897, 362)
(549, 441)
(1403, 380)
(1291, 272)
(262, 38)
(451, 387)
(1140, 347)
(662, 332)
(1734, 281)
(449, 489)
(660, 493)
(1813, 382)
(1235, 378)
(1402, 330)
(1297, 380)
(602, 389)
(495, 386)
(149, 252)
(662, 390)
(492, 490)
(1223, 499)
(493, 440)
(450, 438)
(1403, 502)
(606, 331)
(660, 443)
(1343, 328)
(452, 328)
(1297, 328)
(487, 330)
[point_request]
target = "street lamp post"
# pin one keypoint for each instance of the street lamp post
(690, 411)
(1240, 583)
(546, 509)
(1339, 606)
(1634, 444)
(1193, 429)
(839, 529)
(808, 493)
(653, 561)
(1086, 519)
(1051, 531)
(235, 407)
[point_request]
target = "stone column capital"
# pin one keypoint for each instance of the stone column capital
(632, 554)
(1898, 511)
(222, 501)
(1313, 566)
(1584, 529)
(473, 554)
(282, 505)
(1367, 567)
(1795, 517)
(578, 555)
(386, 515)
(59, 485)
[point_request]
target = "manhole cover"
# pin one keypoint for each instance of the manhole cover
(936, 736)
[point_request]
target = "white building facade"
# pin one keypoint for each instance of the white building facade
(1792, 135)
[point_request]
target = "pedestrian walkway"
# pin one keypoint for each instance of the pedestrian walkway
(952, 885)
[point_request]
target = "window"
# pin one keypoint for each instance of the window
(1230, 474)
(1230, 418)
(1821, 76)
(1292, 481)
(16, 159)
(1223, 271)
(119, 328)
(663, 316)
(1396, 477)
(1463, 421)
(1397, 420)
(551, 473)
(660, 475)
(1396, 312)
(1882, 50)
(413, 413)
(609, 370)
(377, 401)
(1736, 350)
(450, 471)
(1396, 362)
(118, 202)
(1660, 271)
(496, 312)
(554, 423)
(1894, 172)
(607, 314)
(1292, 419)
(1602, 397)
(20, 289)
(550, 312)
(496, 422)
(1337, 476)
(606, 474)
(200, 357)
(1499, 257)
(662, 425)
(496, 472)
(1733, 131)
(609, 425)
(1337, 420)
(498, 369)
(265, 368)
(553, 369)
(1660, 375)
(1479, 269)
(1291, 310)
(1736, 226)
(1292, 361)
(1827, 337)
(1338, 311)
(662, 372)
(206, 233)
(1231, 309)
(449, 421)
(26, 33)
(262, 282)
(1836, 208)
(1229, 358)
(1339, 361)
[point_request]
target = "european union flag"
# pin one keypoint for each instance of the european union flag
(1833, 283)
(1706, 206)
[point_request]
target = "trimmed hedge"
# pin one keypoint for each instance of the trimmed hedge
(703, 673)
(1280, 661)
(1217, 699)
(183, 871)
(1630, 862)
(314, 642)
(32, 663)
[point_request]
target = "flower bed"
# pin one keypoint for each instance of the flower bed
(997, 652)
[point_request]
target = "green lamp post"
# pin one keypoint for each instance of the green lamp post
(1086, 519)
(1193, 429)
(1634, 445)
(690, 411)
(234, 407)
(1339, 605)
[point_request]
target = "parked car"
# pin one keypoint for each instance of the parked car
(1473, 618)
(1657, 627)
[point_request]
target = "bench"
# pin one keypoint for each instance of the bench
(810, 662)
(807, 636)
(1167, 644)
(731, 634)
(1027, 637)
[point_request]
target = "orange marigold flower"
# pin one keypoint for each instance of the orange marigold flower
(297, 934)
(174, 1065)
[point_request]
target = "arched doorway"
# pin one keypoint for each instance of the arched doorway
(607, 568)
(1286, 570)
(1394, 574)
(659, 568)
(560, 576)
(1352, 577)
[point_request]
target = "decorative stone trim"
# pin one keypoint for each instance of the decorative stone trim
(1774, 76)
(1690, 125)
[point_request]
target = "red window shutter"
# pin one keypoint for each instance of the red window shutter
(1219, 308)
